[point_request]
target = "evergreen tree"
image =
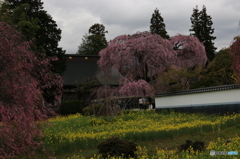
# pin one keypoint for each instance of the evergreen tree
(202, 28)
(93, 43)
(196, 26)
(157, 25)
(97, 29)
(35, 24)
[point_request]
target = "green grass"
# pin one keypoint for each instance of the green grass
(167, 143)
(145, 128)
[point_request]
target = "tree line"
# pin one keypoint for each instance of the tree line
(95, 41)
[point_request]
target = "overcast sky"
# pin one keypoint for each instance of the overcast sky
(75, 17)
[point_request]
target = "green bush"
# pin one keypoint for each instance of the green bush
(115, 146)
(71, 107)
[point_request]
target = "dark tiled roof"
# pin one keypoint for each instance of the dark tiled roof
(200, 90)
(79, 68)
(82, 67)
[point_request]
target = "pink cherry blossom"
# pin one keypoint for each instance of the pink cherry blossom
(140, 57)
(25, 78)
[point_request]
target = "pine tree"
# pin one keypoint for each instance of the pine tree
(207, 32)
(93, 43)
(37, 25)
(157, 25)
(202, 28)
(97, 29)
(196, 26)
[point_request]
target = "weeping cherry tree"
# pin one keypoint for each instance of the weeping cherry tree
(141, 57)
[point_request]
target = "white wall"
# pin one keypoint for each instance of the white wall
(199, 99)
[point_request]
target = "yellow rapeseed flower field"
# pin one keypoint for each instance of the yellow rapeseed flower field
(82, 132)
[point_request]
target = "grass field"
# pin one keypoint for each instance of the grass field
(158, 135)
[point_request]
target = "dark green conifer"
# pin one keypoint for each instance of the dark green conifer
(36, 25)
(196, 26)
(202, 29)
(93, 43)
(157, 25)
